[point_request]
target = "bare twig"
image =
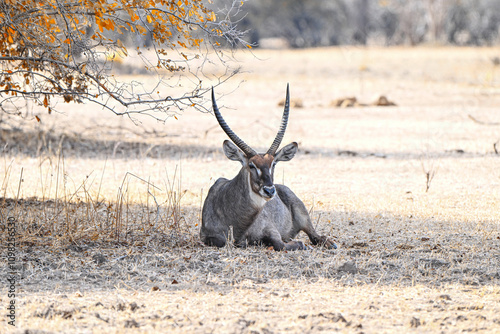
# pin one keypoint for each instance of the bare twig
(73, 63)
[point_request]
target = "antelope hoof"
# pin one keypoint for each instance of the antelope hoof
(215, 241)
(327, 243)
(294, 245)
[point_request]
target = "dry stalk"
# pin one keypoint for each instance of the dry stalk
(123, 203)
(19, 188)
(174, 196)
(7, 171)
(430, 169)
(155, 225)
(100, 183)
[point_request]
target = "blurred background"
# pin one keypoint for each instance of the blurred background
(313, 23)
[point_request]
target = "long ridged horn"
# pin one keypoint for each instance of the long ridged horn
(284, 120)
(249, 152)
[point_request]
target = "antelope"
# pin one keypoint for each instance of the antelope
(257, 210)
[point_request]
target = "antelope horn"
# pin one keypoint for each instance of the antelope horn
(249, 152)
(284, 120)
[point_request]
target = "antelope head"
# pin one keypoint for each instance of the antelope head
(259, 167)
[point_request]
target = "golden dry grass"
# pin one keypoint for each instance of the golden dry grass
(101, 249)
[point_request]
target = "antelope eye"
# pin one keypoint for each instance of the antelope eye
(252, 166)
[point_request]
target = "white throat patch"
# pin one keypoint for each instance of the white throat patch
(256, 199)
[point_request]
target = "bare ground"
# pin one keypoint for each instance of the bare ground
(100, 249)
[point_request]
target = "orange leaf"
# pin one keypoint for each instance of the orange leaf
(141, 29)
(110, 25)
(45, 102)
(99, 23)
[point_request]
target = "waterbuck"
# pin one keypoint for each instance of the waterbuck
(259, 211)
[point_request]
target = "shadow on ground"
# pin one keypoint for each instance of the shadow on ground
(401, 250)
(33, 143)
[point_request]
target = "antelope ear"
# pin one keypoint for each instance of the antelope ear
(287, 152)
(233, 153)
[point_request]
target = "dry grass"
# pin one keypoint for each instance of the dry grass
(108, 212)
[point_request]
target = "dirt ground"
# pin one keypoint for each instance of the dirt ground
(108, 213)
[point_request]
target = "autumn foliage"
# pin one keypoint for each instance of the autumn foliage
(54, 48)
